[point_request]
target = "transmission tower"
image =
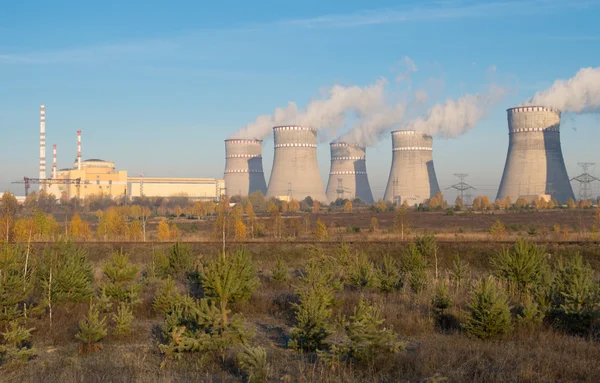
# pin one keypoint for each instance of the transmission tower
(585, 181)
(341, 190)
(290, 192)
(395, 197)
(461, 186)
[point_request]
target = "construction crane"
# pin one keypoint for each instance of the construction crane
(52, 181)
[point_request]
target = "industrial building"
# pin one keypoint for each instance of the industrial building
(194, 188)
(534, 163)
(99, 177)
(295, 172)
(243, 167)
(348, 173)
(96, 177)
(412, 175)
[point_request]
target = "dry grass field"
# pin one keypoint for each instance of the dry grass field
(431, 354)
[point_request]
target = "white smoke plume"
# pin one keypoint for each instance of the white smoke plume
(455, 117)
(579, 94)
(369, 128)
(329, 112)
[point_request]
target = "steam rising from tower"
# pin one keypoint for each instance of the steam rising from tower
(42, 142)
(348, 175)
(534, 163)
(457, 116)
(328, 112)
(295, 172)
(412, 176)
(579, 94)
(243, 167)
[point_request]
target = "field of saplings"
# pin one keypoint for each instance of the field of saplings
(413, 311)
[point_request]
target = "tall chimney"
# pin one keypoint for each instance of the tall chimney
(79, 150)
(43, 143)
(54, 161)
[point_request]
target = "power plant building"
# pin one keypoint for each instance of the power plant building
(194, 188)
(295, 172)
(98, 177)
(348, 173)
(101, 178)
(244, 173)
(534, 163)
(412, 175)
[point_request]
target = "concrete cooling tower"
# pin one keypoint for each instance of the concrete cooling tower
(295, 172)
(348, 173)
(412, 176)
(534, 163)
(243, 167)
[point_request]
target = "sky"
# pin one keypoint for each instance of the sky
(158, 86)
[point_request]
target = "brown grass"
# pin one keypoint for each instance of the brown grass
(542, 356)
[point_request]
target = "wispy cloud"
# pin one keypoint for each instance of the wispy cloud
(437, 10)
(184, 44)
(89, 53)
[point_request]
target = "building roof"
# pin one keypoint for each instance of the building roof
(93, 160)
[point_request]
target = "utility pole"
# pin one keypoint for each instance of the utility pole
(340, 188)
(395, 198)
(585, 181)
(290, 192)
(142, 185)
(461, 186)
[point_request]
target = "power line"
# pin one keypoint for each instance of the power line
(461, 186)
(341, 190)
(585, 181)
(290, 192)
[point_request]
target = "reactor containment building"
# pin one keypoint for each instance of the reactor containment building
(412, 176)
(534, 163)
(295, 173)
(348, 173)
(244, 173)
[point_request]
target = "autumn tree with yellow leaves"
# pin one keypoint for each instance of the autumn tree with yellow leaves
(316, 206)
(348, 207)
(293, 206)
(240, 230)
(437, 201)
(163, 231)
(250, 218)
(320, 233)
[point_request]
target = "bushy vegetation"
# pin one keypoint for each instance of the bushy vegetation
(365, 337)
(92, 329)
(330, 312)
(575, 295)
(489, 311)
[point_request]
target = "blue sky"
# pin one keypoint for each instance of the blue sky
(157, 86)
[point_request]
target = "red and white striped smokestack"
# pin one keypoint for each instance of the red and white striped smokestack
(79, 150)
(42, 142)
(54, 161)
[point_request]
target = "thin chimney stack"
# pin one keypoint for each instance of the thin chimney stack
(79, 150)
(42, 142)
(54, 161)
